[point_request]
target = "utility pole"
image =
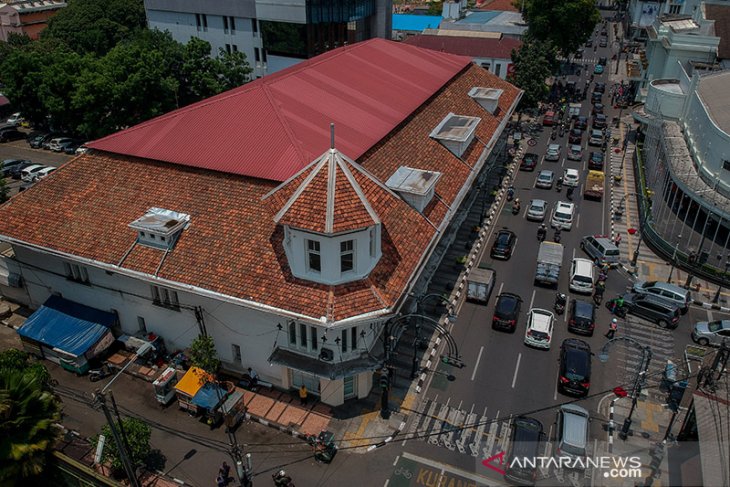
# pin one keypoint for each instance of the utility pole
(129, 469)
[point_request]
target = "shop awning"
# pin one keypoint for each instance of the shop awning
(209, 396)
(67, 326)
(192, 381)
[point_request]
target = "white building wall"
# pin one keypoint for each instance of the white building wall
(709, 145)
(497, 66)
(254, 331)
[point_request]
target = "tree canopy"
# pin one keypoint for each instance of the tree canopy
(98, 69)
(138, 435)
(203, 354)
(28, 411)
(533, 64)
(566, 23)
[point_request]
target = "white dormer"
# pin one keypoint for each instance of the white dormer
(456, 132)
(160, 228)
(415, 186)
(488, 98)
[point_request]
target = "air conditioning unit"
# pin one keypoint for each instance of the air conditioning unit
(327, 355)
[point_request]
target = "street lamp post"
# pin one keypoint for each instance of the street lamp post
(417, 339)
(716, 298)
(640, 376)
(100, 400)
(674, 259)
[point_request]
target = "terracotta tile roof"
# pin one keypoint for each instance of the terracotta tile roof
(503, 5)
(467, 46)
(721, 15)
(326, 197)
(232, 245)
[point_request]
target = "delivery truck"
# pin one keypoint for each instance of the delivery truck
(549, 260)
(593, 189)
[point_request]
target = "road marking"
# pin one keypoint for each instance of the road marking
(573, 252)
(472, 408)
(603, 209)
(532, 300)
(500, 288)
(517, 367)
(577, 222)
(515, 245)
(448, 468)
(565, 311)
(396, 460)
(387, 481)
(460, 402)
(709, 315)
(563, 163)
(476, 365)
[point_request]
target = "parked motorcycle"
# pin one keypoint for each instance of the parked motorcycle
(100, 373)
(282, 479)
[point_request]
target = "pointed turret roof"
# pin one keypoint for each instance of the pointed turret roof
(329, 196)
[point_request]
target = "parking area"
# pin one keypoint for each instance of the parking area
(19, 149)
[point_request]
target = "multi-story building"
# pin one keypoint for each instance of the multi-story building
(246, 218)
(27, 17)
(643, 13)
(272, 34)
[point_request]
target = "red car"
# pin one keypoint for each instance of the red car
(529, 162)
(549, 119)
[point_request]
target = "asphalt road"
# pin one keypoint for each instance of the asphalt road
(19, 149)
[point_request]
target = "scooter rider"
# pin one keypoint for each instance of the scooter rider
(556, 235)
(541, 232)
(569, 193)
(559, 184)
(516, 206)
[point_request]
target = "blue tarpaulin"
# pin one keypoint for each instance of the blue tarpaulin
(208, 397)
(416, 23)
(67, 326)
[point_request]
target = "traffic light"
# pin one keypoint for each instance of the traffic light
(453, 361)
(384, 381)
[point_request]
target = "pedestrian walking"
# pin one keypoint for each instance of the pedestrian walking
(612, 329)
(617, 240)
(225, 471)
(303, 395)
(220, 481)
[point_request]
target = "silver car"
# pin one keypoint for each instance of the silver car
(553, 152)
(545, 179)
(537, 210)
(711, 333)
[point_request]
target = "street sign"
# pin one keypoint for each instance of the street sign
(99, 449)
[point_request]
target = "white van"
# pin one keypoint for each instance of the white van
(581, 276)
(563, 215)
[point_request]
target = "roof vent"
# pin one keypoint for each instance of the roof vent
(160, 228)
(488, 98)
(456, 132)
(415, 186)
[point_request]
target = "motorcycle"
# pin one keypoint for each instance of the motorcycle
(559, 185)
(515, 208)
(553, 135)
(560, 301)
(282, 479)
(510, 193)
(100, 373)
(541, 234)
(569, 193)
(612, 306)
(598, 296)
(556, 236)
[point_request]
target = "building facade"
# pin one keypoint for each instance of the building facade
(272, 35)
(244, 218)
(27, 17)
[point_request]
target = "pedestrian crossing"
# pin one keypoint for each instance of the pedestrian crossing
(477, 435)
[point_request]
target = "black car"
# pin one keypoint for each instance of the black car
(597, 108)
(602, 42)
(602, 61)
(71, 148)
(574, 377)
(36, 142)
(652, 308)
(600, 88)
(503, 244)
(575, 136)
(10, 133)
(16, 170)
(579, 54)
(595, 161)
(596, 97)
(525, 443)
(599, 121)
(529, 162)
(581, 123)
(9, 164)
(589, 43)
(506, 312)
(582, 317)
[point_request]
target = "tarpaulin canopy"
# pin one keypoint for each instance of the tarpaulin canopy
(209, 396)
(67, 326)
(192, 381)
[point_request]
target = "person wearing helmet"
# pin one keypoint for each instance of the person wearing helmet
(612, 329)
(516, 206)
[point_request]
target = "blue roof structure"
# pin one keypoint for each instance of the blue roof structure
(416, 23)
(209, 396)
(67, 326)
(479, 17)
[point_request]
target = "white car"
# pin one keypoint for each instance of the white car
(553, 152)
(15, 119)
(28, 174)
(536, 210)
(56, 144)
(571, 177)
(563, 215)
(44, 172)
(539, 333)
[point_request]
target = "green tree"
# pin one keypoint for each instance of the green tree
(96, 26)
(204, 355)
(28, 411)
(566, 23)
(533, 64)
(233, 68)
(4, 191)
(138, 435)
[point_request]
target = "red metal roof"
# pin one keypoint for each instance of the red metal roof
(273, 127)
(467, 46)
(504, 5)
